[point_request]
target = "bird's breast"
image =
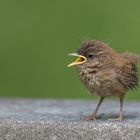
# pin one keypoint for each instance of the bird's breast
(90, 80)
(102, 83)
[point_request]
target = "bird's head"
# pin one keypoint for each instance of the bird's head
(90, 51)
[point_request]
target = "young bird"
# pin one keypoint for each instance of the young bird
(106, 72)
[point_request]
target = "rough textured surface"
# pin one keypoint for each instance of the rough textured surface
(60, 120)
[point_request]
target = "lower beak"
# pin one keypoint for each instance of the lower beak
(80, 60)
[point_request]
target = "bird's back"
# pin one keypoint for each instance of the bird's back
(127, 72)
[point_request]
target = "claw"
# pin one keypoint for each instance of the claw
(118, 119)
(90, 118)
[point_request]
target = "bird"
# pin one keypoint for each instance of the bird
(106, 72)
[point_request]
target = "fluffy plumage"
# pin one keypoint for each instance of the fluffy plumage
(107, 72)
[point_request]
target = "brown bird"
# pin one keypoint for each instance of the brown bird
(106, 72)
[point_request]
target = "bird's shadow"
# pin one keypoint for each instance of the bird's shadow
(103, 117)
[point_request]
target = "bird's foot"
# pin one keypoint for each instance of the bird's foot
(118, 119)
(90, 118)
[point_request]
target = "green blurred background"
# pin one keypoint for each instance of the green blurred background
(36, 36)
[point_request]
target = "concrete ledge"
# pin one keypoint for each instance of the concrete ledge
(60, 120)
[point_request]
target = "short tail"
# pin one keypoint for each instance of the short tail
(134, 58)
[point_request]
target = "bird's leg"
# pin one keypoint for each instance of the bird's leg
(93, 116)
(120, 117)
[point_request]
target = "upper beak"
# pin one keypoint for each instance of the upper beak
(80, 60)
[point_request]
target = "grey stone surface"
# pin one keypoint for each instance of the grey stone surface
(22, 119)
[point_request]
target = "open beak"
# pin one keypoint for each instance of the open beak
(80, 59)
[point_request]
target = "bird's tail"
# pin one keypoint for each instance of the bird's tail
(134, 58)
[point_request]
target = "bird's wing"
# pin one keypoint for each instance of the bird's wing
(127, 73)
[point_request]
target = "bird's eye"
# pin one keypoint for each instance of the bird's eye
(90, 55)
